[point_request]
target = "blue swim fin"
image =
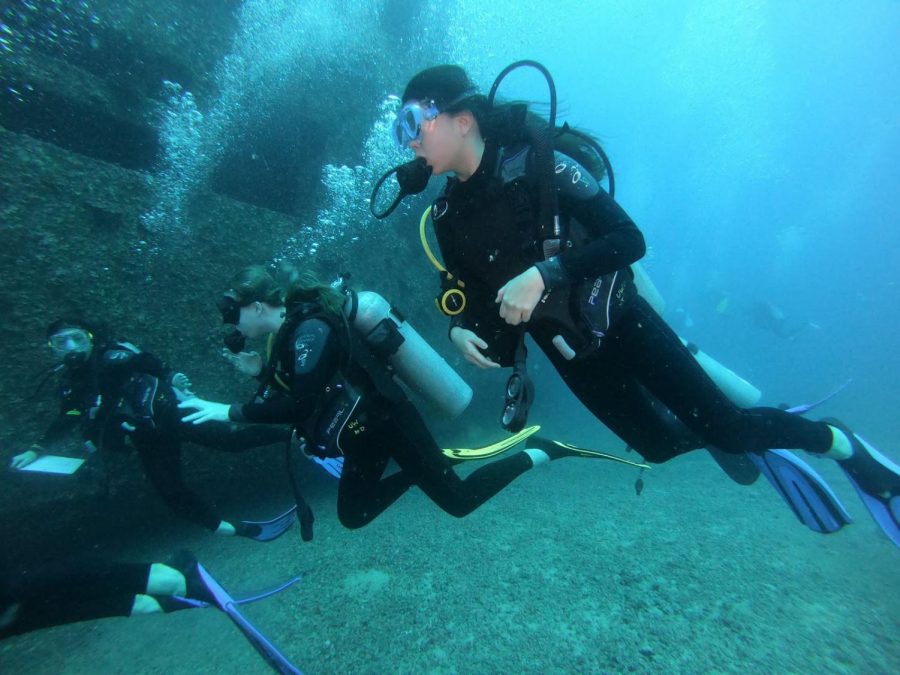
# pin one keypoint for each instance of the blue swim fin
(222, 600)
(333, 465)
(805, 491)
(183, 602)
(876, 479)
(267, 530)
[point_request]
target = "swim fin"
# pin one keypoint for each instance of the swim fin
(493, 449)
(805, 491)
(875, 478)
(739, 467)
(266, 530)
(559, 449)
(333, 465)
(176, 602)
(229, 605)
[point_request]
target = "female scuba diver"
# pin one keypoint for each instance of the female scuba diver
(493, 237)
(118, 393)
(332, 387)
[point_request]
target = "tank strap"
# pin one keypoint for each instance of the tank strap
(377, 369)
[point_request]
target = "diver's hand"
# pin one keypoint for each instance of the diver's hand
(519, 296)
(181, 381)
(181, 385)
(207, 411)
(247, 363)
(470, 345)
(22, 460)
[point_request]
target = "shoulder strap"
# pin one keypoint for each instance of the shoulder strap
(377, 369)
(275, 345)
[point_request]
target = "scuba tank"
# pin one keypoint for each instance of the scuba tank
(410, 357)
(741, 392)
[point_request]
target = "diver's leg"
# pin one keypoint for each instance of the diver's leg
(61, 593)
(622, 404)
(402, 434)
(362, 492)
(161, 458)
(416, 452)
(231, 437)
(669, 371)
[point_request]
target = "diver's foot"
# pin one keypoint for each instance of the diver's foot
(543, 450)
(547, 450)
(185, 562)
(876, 479)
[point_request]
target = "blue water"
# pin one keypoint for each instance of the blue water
(756, 144)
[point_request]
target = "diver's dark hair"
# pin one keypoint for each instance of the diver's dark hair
(305, 287)
(255, 284)
(449, 87)
(452, 91)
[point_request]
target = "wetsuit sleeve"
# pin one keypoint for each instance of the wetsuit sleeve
(70, 414)
(614, 241)
(57, 429)
(314, 352)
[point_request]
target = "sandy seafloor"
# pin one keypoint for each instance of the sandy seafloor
(566, 571)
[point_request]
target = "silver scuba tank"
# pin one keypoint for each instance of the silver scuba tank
(414, 361)
(736, 388)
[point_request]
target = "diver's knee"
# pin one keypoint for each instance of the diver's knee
(353, 520)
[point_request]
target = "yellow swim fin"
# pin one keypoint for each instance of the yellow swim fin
(575, 451)
(492, 450)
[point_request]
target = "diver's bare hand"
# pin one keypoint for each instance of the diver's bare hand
(247, 363)
(22, 460)
(471, 345)
(519, 296)
(205, 411)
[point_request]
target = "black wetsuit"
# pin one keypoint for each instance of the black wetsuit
(122, 394)
(487, 229)
(313, 364)
(67, 592)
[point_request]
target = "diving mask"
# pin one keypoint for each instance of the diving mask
(408, 123)
(230, 307)
(71, 344)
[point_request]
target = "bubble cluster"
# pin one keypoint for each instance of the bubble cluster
(57, 27)
(346, 215)
(276, 42)
(184, 165)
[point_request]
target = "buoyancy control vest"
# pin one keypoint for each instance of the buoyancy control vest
(582, 312)
(379, 350)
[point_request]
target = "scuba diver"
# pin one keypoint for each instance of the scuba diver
(118, 393)
(532, 242)
(342, 399)
(770, 317)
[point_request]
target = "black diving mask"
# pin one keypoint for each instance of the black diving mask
(230, 307)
